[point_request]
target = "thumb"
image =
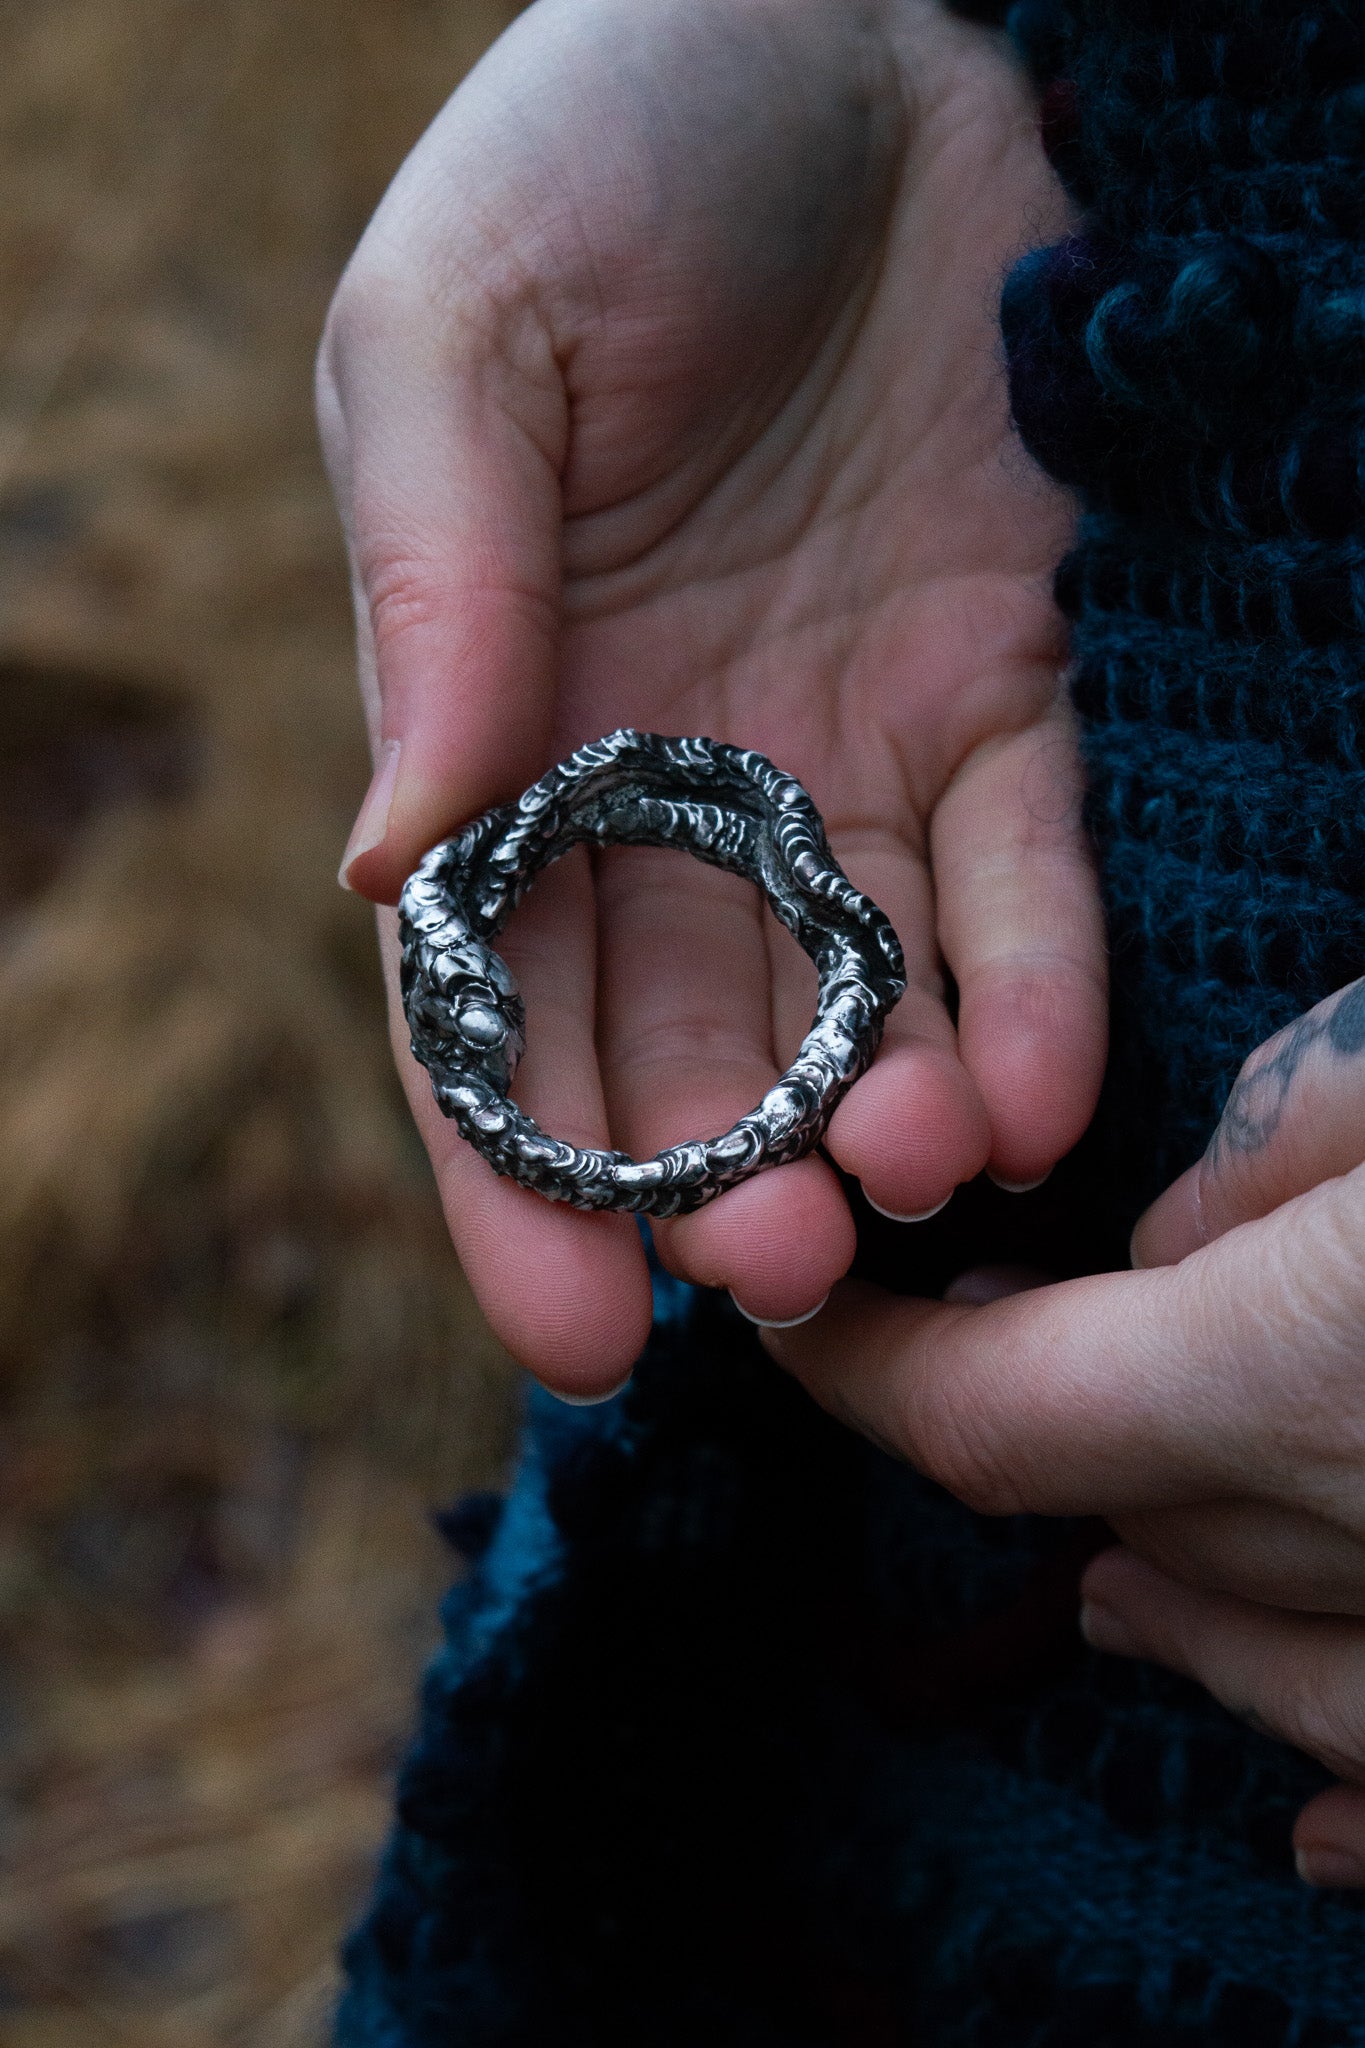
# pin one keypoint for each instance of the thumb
(444, 442)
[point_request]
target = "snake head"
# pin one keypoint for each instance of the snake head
(482, 1011)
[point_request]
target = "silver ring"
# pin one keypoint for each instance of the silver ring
(728, 806)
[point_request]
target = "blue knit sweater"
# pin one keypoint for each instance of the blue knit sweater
(744, 1736)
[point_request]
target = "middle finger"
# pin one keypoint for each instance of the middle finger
(686, 1044)
(1254, 1550)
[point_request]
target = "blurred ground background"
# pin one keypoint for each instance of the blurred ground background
(237, 1363)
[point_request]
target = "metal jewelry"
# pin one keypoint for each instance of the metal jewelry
(726, 805)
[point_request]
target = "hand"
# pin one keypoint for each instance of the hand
(664, 389)
(1210, 1405)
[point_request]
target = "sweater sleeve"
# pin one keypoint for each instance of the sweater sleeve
(1191, 362)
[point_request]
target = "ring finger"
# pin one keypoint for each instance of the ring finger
(915, 1125)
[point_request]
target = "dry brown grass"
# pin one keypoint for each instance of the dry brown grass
(236, 1359)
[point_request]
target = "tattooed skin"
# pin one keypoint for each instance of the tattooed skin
(1254, 1108)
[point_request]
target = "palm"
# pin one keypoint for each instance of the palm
(792, 518)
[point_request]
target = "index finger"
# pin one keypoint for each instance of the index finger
(443, 442)
(1096, 1396)
(565, 1291)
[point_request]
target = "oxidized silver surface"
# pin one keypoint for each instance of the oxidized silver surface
(726, 806)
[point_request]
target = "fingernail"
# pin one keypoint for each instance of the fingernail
(373, 819)
(591, 1400)
(1017, 1187)
(917, 1216)
(1325, 1866)
(769, 1322)
(1103, 1630)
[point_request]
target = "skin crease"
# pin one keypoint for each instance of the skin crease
(665, 389)
(1209, 1405)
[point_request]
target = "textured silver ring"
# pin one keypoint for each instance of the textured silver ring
(728, 806)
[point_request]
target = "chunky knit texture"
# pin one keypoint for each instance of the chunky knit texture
(743, 1734)
(1192, 362)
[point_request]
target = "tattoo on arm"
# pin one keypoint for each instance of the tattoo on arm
(1253, 1110)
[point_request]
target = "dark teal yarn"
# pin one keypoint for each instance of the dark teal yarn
(1192, 362)
(744, 1738)
(742, 1735)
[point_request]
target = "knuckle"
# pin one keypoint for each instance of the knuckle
(462, 301)
(462, 594)
(1336, 1214)
(344, 332)
(405, 595)
(363, 311)
(1312, 1312)
(1037, 995)
(955, 1444)
(383, 317)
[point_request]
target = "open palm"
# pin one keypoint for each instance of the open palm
(664, 390)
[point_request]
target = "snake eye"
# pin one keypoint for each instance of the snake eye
(480, 1026)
